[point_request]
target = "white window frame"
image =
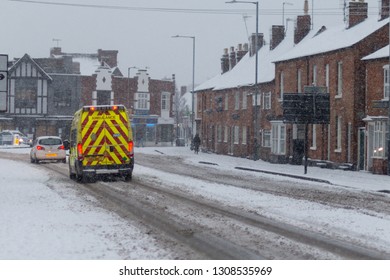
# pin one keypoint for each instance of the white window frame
(226, 102)
(258, 99)
(142, 101)
(267, 100)
(379, 139)
(226, 134)
(278, 138)
(281, 85)
(386, 83)
(165, 101)
(299, 80)
(266, 138)
(244, 135)
(236, 134)
(338, 134)
(237, 101)
(339, 93)
(244, 100)
(219, 133)
(327, 76)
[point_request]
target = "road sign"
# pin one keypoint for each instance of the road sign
(306, 108)
(3, 82)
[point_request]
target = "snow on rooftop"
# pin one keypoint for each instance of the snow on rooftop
(334, 38)
(88, 65)
(381, 53)
(243, 73)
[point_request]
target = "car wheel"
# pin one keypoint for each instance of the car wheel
(32, 160)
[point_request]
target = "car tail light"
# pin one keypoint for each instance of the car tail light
(131, 147)
(62, 147)
(40, 148)
(80, 151)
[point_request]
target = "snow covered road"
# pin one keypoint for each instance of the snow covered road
(49, 218)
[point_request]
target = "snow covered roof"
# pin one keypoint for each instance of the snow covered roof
(381, 53)
(88, 64)
(243, 73)
(334, 38)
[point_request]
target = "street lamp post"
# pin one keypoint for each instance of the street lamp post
(256, 129)
(193, 81)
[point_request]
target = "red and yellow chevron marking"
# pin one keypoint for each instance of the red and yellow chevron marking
(105, 137)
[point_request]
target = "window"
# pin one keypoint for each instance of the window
(278, 136)
(165, 101)
(379, 140)
(225, 134)
(338, 133)
(339, 79)
(327, 76)
(236, 134)
(314, 137)
(281, 85)
(266, 141)
(244, 100)
(62, 98)
(226, 102)
(26, 93)
(244, 135)
(237, 101)
(103, 97)
(267, 100)
(386, 83)
(142, 101)
(256, 102)
(219, 133)
(299, 80)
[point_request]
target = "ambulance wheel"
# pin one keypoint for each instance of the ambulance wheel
(128, 177)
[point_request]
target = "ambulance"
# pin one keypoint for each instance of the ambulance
(101, 143)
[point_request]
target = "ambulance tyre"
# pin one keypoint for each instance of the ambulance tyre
(71, 174)
(128, 177)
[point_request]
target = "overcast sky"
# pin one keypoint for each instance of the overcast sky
(143, 36)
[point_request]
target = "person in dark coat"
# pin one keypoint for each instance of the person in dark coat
(196, 142)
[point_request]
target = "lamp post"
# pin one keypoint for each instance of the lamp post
(388, 119)
(256, 129)
(193, 81)
(285, 3)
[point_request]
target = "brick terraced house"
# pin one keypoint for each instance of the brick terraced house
(328, 57)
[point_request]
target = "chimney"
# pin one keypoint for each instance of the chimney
(303, 24)
(225, 61)
(56, 51)
(302, 28)
(109, 57)
(260, 42)
(232, 58)
(241, 51)
(357, 13)
(384, 9)
(277, 35)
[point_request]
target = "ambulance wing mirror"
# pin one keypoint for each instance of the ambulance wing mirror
(66, 144)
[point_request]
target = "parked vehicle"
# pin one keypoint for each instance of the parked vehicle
(11, 137)
(48, 148)
(101, 143)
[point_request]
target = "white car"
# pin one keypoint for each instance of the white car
(48, 148)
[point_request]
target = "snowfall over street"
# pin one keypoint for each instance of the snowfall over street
(44, 216)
